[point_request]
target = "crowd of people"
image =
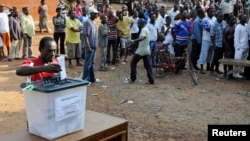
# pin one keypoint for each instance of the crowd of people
(210, 29)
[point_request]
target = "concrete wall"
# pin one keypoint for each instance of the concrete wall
(33, 5)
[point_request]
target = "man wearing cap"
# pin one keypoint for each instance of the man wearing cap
(90, 39)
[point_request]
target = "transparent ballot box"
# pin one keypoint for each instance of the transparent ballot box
(55, 107)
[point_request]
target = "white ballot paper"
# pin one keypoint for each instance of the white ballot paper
(61, 62)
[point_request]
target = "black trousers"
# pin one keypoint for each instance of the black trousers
(146, 61)
(217, 55)
(60, 36)
(112, 43)
(229, 53)
(195, 52)
(134, 47)
(179, 50)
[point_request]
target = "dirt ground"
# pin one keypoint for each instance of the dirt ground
(171, 110)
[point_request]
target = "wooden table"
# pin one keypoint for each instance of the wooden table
(238, 63)
(98, 127)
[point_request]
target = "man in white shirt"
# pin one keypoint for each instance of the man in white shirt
(227, 7)
(172, 13)
(152, 27)
(134, 29)
(241, 42)
(207, 23)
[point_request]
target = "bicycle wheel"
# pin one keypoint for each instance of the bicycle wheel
(159, 72)
(192, 72)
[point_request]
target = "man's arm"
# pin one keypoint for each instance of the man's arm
(29, 70)
(86, 36)
(237, 38)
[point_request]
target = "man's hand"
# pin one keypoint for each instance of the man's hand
(52, 68)
(25, 35)
(88, 49)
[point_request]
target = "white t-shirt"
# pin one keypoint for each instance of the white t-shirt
(153, 31)
(134, 28)
(172, 14)
(143, 47)
(4, 23)
(205, 33)
(241, 37)
(168, 37)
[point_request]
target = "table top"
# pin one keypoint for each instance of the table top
(95, 123)
(229, 61)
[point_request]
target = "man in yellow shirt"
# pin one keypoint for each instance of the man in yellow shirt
(74, 26)
(123, 27)
(28, 29)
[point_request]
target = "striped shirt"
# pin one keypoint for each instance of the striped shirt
(181, 30)
(217, 32)
(111, 22)
(90, 30)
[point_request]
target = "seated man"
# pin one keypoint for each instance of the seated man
(43, 66)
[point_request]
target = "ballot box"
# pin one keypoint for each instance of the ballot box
(55, 107)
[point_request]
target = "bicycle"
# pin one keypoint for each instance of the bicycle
(167, 63)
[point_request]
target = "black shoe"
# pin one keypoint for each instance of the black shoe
(9, 59)
(241, 73)
(219, 72)
(150, 83)
(195, 67)
(202, 72)
(213, 73)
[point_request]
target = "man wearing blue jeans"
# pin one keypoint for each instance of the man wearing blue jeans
(90, 38)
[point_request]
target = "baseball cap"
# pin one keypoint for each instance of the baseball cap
(93, 10)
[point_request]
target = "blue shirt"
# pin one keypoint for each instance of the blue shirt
(90, 30)
(197, 30)
(181, 30)
(217, 32)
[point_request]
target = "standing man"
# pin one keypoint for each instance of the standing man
(74, 26)
(207, 23)
(4, 29)
(83, 18)
(15, 35)
(181, 38)
(197, 37)
(142, 52)
(216, 34)
(103, 42)
(134, 30)
(90, 36)
(123, 26)
(28, 29)
(152, 27)
(112, 37)
(241, 42)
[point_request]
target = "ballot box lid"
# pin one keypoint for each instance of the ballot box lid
(53, 84)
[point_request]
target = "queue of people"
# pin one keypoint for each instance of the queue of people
(206, 28)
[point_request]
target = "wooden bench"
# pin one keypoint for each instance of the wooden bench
(98, 127)
(239, 63)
